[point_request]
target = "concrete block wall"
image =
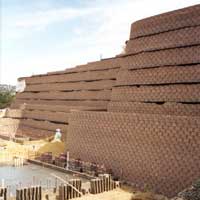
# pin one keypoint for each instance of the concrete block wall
(160, 71)
(161, 151)
(150, 133)
(8, 127)
(48, 99)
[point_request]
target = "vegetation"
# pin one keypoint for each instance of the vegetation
(6, 98)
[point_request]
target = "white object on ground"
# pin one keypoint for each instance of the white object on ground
(58, 135)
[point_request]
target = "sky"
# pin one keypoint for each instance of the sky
(39, 36)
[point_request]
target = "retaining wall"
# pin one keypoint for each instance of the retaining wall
(158, 150)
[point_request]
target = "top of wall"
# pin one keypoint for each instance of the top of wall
(104, 64)
(177, 19)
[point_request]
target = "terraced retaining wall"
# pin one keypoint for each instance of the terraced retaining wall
(137, 113)
(48, 99)
(150, 134)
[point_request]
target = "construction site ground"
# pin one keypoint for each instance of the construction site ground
(29, 149)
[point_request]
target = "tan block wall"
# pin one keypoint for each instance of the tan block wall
(154, 108)
(158, 150)
(160, 93)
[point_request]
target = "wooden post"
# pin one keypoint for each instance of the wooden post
(40, 192)
(33, 193)
(101, 185)
(92, 186)
(36, 193)
(3, 193)
(61, 193)
(28, 193)
(71, 190)
(25, 193)
(76, 183)
(17, 194)
(108, 176)
(66, 192)
(68, 184)
(105, 183)
(102, 182)
(79, 186)
(97, 186)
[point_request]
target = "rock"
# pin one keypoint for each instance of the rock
(191, 193)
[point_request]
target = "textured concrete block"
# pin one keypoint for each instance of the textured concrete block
(158, 150)
(74, 77)
(88, 103)
(93, 85)
(159, 75)
(44, 125)
(33, 133)
(153, 108)
(75, 95)
(174, 20)
(167, 57)
(161, 93)
(46, 115)
(172, 39)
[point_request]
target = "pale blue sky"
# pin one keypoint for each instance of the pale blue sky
(38, 36)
